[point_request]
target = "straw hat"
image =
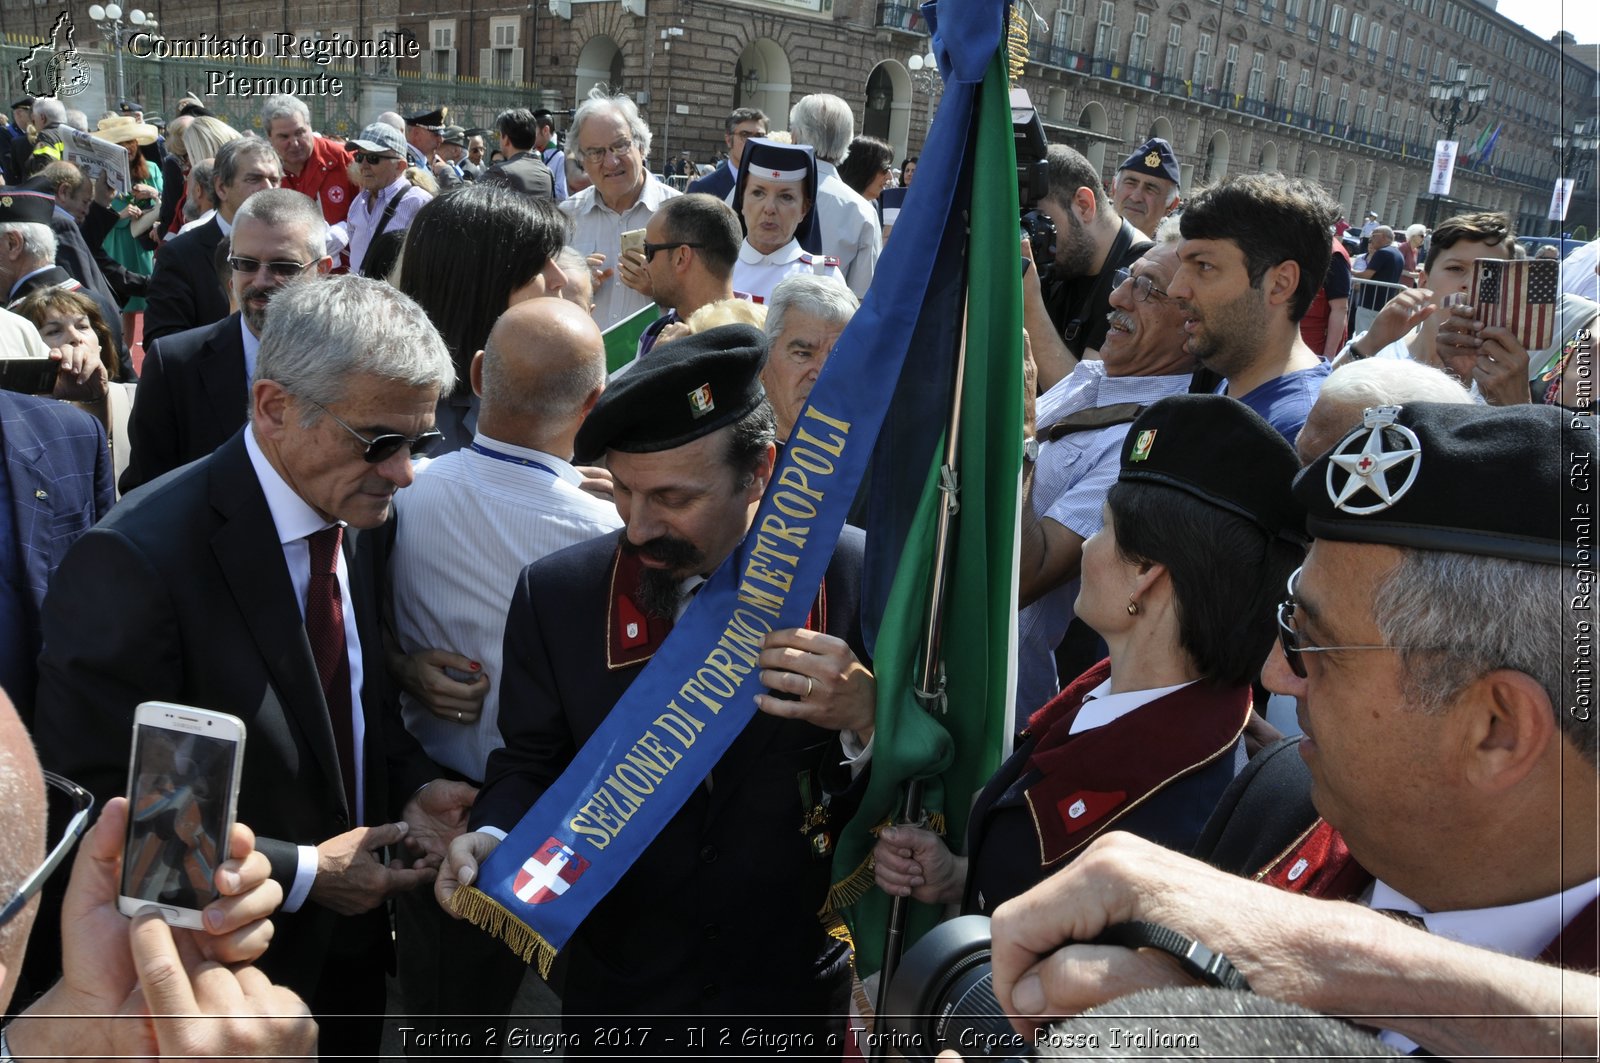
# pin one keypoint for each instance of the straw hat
(120, 130)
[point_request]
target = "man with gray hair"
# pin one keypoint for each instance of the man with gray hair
(610, 138)
(851, 231)
(184, 291)
(1358, 386)
(805, 316)
(191, 394)
(246, 582)
(509, 499)
(313, 165)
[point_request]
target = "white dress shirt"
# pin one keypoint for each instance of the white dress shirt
(851, 231)
(294, 520)
(467, 528)
(252, 347)
(357, 231)
(755, 274)
(598, 228)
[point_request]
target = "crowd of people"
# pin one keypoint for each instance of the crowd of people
(339, 443)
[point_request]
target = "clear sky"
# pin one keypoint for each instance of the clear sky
(1581, 18)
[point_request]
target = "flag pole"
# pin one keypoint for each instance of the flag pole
(930, 690)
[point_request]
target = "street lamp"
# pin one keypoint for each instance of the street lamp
(109, 19)
(925, 75)
(1574, 155)
(1445, 99)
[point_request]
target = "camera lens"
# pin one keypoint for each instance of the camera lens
(943, 997)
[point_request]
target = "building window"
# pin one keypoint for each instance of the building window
(1335, 23)
(1322, 100)
(1252, 86)
(440, 60)
(1241, 7)
(1291, 13)
(1174, 57)
(1105, 34)
(1280, 85)
(1069, 28)
(1381, 116)
(1302, 92)
(1141, 33)
(1343, 112)
(1374, 39)
(1202, 60)
(1268, 9)
(1230, 67)
(1361, 110)
(503, 54)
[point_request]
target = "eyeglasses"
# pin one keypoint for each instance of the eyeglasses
(385, 446)
(1143, 286)
(82, 801)
(1294, 643)
(651, 249)
(598, 155)
(745, 134)
(277, 269)
(367, 156)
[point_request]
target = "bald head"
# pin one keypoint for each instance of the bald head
(22, 840)
(540, 372)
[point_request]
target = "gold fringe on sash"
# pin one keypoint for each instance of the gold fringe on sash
(855, 885)
(489, 915)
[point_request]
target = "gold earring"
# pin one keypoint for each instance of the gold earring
(1133, 607)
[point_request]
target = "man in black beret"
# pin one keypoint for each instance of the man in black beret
(1145, 189)
(718, 915)
(1441, 653)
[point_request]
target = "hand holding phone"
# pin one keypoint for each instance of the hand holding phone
(1519, 295)
(183, 787)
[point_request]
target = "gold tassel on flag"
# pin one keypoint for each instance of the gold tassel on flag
(488, 915)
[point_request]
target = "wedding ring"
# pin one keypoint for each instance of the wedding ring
(807, 694)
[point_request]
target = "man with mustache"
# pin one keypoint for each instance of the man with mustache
(192, 392)
(718, 914)
(1254, 253)
(1082, 423)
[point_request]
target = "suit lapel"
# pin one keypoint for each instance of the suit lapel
(250, 559)
(222, 378)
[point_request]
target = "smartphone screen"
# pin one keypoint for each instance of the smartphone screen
(180, 798)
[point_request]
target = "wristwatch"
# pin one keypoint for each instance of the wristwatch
(1030, 454)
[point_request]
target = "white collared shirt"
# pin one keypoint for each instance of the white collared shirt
(466, 529)
(1522, 930)
(357, 230)
(756, 274)
(252, 347)
(596, 228)
(1101, 707)
(294, 520)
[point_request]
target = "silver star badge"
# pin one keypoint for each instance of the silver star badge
(1368, 456)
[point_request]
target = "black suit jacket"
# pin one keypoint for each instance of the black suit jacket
(181, 594)
(192, 398)
(54, 277)
(185, 292)
(719, 914)
(125, 283)
(525, 172)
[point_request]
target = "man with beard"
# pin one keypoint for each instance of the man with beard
(1082, 423)
(191, 395)
(1092, 243)
(718, 914)
(1254, 252)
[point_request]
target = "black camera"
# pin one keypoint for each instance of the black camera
(1033, 180)
(943, 997)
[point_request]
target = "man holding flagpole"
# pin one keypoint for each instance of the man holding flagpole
(717, 915)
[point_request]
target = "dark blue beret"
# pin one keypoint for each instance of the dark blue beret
(680, 391)
(26, 204)
(1154, 158)
(1220, 451)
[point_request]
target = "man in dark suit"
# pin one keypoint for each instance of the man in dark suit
(521, 168)
(55, 482)
(194, 391)
(28, 260)
(741, 124)
(184, 290)
(688, 932)
(245, 583)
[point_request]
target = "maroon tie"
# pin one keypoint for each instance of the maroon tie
(325, 630)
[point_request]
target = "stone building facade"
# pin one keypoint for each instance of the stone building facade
(1335, 90)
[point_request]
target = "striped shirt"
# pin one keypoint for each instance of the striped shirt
(1070, 483)
(467, 528)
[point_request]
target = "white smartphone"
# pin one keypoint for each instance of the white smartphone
(632, 240)
(183, 790)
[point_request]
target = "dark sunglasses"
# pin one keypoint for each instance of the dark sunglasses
(385, 446)
(277, 269)
(651, 249)
(367, 156)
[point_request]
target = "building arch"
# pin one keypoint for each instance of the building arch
(1313, 166)
(763, 79)
(1217, 150)
(1162, 127)
(1094, 118)
(890, 98)
(1269, 157)
(600, 63)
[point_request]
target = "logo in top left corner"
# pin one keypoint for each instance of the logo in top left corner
(53, 67)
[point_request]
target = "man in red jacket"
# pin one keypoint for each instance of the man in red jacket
(313, 165)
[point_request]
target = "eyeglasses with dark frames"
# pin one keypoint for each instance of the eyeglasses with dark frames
(385, 446)
(1143, 286)
(83, 802)
(1294, 644)
(594, 156)
(239, 264)
(651, 249)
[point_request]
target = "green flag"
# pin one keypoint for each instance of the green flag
(622, 339)
(956, 748)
